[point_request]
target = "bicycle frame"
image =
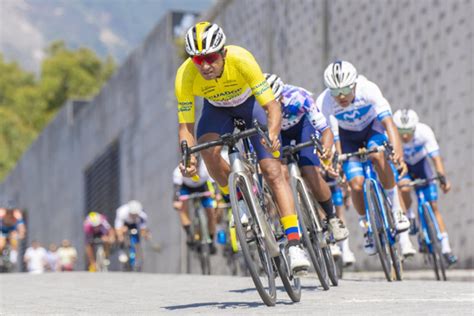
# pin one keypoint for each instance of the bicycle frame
(368, 174)
(422, 201)
(134, 239)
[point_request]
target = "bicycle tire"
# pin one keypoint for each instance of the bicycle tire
(312, 238)
(435, 249)
(267, 293)
(378, 230)
(205, 250)
(330, 265)
(291, 283)
(394, 253)
(99, 259)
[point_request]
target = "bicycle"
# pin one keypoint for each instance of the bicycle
(132, 263)
(246, 189)
(314, 232)
(201, 242)
(6, 265)
(101, 261)
(429, 234)
(381, 224)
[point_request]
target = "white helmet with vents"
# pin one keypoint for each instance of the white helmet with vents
(275, 83)
(406, 119)
(135, 207)
(340, 74)
(204, 38)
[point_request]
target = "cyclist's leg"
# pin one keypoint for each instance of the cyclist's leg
(271, 169)
(90, 254)
(209, 205)
(309, 164)
(387, 177)
(214, 122)
(13, 238)
(3, 241)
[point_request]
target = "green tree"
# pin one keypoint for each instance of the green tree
(67, 74)
(27, 104)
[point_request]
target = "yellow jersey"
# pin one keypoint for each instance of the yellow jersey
(240, 78)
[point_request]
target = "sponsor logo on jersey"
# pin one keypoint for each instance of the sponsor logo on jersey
(353, 115)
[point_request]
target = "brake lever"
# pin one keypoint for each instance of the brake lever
(263, 132)
(187, 158)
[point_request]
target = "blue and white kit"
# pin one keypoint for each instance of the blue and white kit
(416, 152)
(358, 124)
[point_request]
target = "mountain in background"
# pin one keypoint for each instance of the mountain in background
(112, 27)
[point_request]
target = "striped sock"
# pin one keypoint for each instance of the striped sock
(290, 225)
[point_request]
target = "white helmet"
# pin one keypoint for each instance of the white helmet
(340, 74)
(275, 83)
(135, 207)
(204, 38)
(406, 119)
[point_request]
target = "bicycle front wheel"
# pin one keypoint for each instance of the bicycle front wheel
(251, 235)
(378, 230)
(394, 253)
(330, 264)
(434, 246)
(100, 259)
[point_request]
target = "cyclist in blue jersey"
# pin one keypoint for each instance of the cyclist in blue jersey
(360, 115)
(419, 144)
(300, 119)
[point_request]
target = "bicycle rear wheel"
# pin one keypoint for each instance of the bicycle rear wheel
(205, 250)
(251, 234)
(434, 247)
(330, 265)
(291, 283)
(313, 238)
(378, 230)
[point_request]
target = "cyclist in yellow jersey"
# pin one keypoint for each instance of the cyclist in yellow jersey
(233, 86)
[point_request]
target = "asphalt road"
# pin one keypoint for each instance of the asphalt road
(82, 293)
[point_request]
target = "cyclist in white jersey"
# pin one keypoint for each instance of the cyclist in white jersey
(419, 144)
(360, 115)
(301, 119)
(183, 187)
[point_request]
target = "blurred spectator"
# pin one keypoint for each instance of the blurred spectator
(35, 258)
(67, 256)
(52, 258)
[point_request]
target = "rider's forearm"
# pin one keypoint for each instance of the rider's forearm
(338, 147)
(274, 117)
(439, 166)
(327, 139)
(186, 132)
(393, 136)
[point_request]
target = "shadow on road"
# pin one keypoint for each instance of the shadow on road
(279, 288)
(220, 305)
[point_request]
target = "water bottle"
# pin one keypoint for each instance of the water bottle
(221, 237)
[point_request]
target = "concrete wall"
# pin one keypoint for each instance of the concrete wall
(135, 108)
(419, 53)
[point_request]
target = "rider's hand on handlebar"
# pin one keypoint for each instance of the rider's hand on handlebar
(191, 170)
(445, 186)
(275, 145)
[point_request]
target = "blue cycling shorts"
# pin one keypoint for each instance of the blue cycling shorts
(220, 120)
(422, 170)
(351, 141)
(301, 133)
